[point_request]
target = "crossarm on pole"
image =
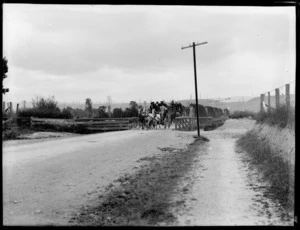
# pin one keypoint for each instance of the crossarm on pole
(189, 46)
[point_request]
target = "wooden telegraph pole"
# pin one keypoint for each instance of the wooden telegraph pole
(195, 72)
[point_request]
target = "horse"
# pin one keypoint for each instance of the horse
(144, 119)
(167, 120)
(157, 120)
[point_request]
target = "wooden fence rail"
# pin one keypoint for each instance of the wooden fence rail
(190, 123)
(92, 124)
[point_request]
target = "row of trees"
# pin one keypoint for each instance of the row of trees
(105, 111)
(48, 108)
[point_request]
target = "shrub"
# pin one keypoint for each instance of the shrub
(45, 108)
(12, 133)
(67, 113)
(241, 114)
(45, 104)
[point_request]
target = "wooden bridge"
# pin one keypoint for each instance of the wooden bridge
(190, 123)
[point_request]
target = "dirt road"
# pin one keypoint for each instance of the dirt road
(223, 188)
(45, 181)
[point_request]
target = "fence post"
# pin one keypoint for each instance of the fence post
(3, 107)
(287, 96)
(269, 102)
(277, 96)
(11, 108)
(17, 110)
(262, 99)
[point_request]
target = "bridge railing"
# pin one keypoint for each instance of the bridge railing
(190, 123)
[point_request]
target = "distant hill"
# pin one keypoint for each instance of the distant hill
(250, 105)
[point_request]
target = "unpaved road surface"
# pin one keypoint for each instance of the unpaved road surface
(46, 181)
(222, 188)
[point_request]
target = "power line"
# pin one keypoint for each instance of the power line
(279, 87)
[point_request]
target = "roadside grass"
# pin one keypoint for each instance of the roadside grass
(13, 132)
(275, 170)
(142, 198)
(281, 117)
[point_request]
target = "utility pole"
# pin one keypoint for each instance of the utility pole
(195, 72)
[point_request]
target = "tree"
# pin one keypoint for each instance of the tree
(78, 113)
(109, 103)
(128, 112)
(5, 70)
(88, 107)
(67, 112)
(118, 113)
(43, 108)
(133, 104)
(102, 113)
(133, 109)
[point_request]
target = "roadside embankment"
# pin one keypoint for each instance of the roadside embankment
(272, 150)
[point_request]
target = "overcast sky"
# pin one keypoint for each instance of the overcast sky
(134, 52)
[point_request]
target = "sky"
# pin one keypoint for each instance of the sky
(131, 52)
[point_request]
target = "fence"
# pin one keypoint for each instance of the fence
(190, 123)
(8, 111)
(285, 94)
(91, 124)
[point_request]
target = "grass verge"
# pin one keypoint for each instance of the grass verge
(273, 167)
(14, 132)
(144, 197)
(281, 117)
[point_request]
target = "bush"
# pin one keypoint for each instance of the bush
(281, 117)
(45, 108)
(241, 114)
(33, 112)
(12, 133)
